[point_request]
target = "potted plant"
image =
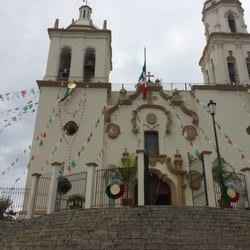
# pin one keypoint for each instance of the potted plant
(75, 201)
(5, 203)
(128, 172)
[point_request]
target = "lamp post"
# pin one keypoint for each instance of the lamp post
(212, 111)
(203, 153)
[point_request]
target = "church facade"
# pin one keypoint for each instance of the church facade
(168, 136)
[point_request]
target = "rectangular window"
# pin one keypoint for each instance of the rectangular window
(248, 68)
(151, 143)
(232, 72)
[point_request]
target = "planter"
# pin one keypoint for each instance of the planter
(75, 201)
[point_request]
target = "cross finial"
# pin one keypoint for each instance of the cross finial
(149, 75)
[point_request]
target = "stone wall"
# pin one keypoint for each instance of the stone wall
(151, 228)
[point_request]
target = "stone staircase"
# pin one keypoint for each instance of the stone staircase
(151, 228)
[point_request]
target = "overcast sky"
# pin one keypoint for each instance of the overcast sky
(172, 31)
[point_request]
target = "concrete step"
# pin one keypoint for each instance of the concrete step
(146, 228)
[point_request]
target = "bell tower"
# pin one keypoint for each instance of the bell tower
(226, 57)
(81, 51)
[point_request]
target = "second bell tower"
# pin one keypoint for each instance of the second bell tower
(226, 57)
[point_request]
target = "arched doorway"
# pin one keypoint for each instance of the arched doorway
(159, 192)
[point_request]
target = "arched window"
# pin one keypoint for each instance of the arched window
(231, 63)
(65, 62)
(232, 23)
(89, 64)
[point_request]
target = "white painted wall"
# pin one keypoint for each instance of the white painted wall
(43, 157)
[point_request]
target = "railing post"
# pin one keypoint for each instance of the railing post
(141, 172)
(56, 168)
(33, 192)
(246, 172)
(210, 182)
(91, 173)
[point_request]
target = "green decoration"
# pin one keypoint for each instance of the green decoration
(129, 167)
(73, 164)
(64, 185)
(222, 176)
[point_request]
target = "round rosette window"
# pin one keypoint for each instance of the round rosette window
(70, 128)
(115, 190)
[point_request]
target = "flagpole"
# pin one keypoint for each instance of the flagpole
(145, 59)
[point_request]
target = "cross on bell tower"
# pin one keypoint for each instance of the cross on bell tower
(85, 14)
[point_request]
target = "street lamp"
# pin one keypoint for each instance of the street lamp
(203, 153)
(212, 111)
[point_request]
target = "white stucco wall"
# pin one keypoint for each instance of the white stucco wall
(86, 120)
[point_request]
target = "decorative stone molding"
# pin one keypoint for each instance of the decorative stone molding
(135, 127)
(113, 130)
(125, 99)
(153, 160)
(108, 111)
(151, 118)
(177, 101)
(191, 113)
(190, 133)
(176, 167)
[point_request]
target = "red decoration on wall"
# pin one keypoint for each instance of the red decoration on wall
(144, 89)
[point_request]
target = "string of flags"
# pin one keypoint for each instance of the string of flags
(53, 116)
(29, 108)
(25, 93)
(73, 163)
(14, 163)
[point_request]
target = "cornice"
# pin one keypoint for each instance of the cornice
(63, 84)
(220, 36)
(77, 30)
(221, 87)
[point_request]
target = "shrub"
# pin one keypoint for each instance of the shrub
(5, 203)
